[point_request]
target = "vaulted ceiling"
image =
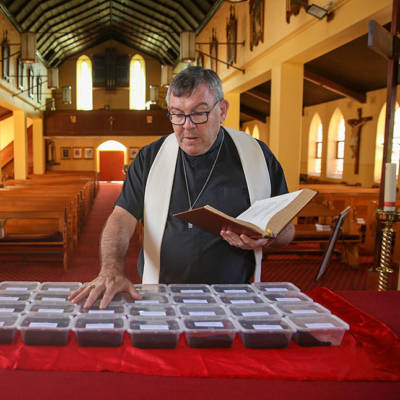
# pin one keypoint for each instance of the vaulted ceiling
(67, 27)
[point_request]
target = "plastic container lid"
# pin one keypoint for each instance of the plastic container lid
(112, 308)
(99, 330)
(246, 298)
(285, 297)
(60, 286)
(50, 297)
(151, 311)
(302, 308)
(265, 333)
(209, 332)
(318, 330)
(8, 327)
(189, 288)
(17, 286)
(199, 310)
(271, 287)
(45, 329)
(52, 308)
(232, 288)
(148, 298)
(253, 310)
(18, 307)
(201, 298)
(151, 288)
(6, 295)
(154, 333)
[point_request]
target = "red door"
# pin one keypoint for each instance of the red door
(111, 165)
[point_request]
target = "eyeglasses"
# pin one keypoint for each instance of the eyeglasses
(196, 117)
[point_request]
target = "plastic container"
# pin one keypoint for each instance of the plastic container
(19, 286)
(189, 288)
(303, 308)
(198, 310)
(265, 333)
(209, 332)
(58, 307)
(273, 287)
(67, 287)
(6, 295)
(18, 307)
(148, 298)
(45, 329)
(8, 327)
(152, 311)
(232, 289)
(111, 309)
(286, 297)
(99, 330)
(154, 333)
(246, 298)
(50, 297)
(151, 288)
(253, 310)
(201, 298)
(318, 330)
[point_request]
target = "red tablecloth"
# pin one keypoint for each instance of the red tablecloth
(369, 351)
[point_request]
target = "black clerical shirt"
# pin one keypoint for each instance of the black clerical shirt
(192, 255)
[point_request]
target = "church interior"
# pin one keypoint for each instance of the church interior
(83, 89)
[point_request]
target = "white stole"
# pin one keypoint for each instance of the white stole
(159, 187)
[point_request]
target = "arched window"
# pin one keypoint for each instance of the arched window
(256, 132)
(84, 85)
(247, 130)
(315, 138)
(137, 83)
(336, 141)
(380, 137)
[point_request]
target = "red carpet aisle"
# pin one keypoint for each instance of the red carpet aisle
(85, 263)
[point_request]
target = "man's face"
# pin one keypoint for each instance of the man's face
(197, 139)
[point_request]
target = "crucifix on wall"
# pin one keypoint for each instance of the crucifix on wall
(355, 138)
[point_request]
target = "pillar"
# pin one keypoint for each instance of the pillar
(233, 118)
(286, 119)
(20, 145)
(39, 165)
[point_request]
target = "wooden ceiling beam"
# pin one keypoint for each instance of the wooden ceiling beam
(249, 112)
(259, 95)
(334, 86)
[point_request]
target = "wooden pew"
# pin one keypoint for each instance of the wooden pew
(307, 233)
(47, 229)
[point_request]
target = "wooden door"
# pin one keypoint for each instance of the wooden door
(111, 165)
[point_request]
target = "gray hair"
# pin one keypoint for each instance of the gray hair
(190, 79)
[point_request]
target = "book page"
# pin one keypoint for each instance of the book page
(262, 210)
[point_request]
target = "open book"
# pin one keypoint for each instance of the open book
(265, 218)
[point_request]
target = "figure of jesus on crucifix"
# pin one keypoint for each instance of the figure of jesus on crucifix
(355, 138)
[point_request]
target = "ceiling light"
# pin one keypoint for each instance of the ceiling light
(166, 75)
(52, 78)
(188, 46)
(66, 95)
(28, 47)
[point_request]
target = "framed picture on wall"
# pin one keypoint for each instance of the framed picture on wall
(231, 34)
(256, 22)
(88, 153)
(65, 153)
(133, 152)
(77, 153)
(213, 50)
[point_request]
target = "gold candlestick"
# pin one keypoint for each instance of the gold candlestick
(389, 218)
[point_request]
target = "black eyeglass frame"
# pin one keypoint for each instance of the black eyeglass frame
(190, 115)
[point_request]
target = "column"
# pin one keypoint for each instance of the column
(39, 165)
(286, 119)
(233, 118)
(20, 145)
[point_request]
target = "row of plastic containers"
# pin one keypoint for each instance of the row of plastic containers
(162, 315)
